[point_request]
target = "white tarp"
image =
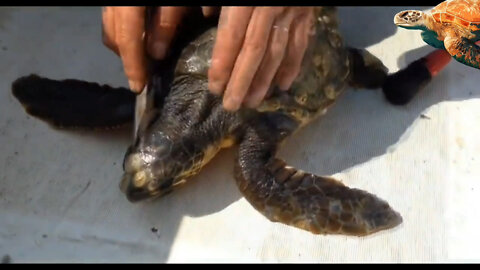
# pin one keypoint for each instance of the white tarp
(59, 195)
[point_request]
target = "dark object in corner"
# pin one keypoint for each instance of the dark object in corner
(402, 86)
(6, 259)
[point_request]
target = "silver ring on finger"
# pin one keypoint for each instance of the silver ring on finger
(283, 28)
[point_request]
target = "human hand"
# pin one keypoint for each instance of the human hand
(256, 46)
(124, 33)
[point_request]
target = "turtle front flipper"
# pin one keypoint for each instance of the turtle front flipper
(463, 50)
(74, 103)
(367, 70)
(321, 205)
(431, 38)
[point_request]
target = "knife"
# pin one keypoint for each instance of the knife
(140, 106)
(144, 100)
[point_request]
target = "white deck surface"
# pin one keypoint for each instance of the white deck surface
(59, 195)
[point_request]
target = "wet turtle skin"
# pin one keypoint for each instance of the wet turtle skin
(192, 127)
(188, 126)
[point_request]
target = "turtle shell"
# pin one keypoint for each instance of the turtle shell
(464, 13)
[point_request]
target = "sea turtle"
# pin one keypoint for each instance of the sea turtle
(453, 25)
(188, 126)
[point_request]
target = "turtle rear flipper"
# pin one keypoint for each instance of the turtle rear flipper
(463, 50)
(402, 86)
(74, 103)
(321, 205)
(367, 70)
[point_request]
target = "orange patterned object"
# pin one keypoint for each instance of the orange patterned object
(465, 13)
(436, 61)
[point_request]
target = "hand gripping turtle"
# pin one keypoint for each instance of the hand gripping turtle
(187, 126)
(453, 27)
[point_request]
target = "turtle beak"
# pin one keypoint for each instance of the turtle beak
(399, 20)
(408, 18)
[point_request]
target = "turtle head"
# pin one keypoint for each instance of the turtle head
(410, 19)
(154, 168)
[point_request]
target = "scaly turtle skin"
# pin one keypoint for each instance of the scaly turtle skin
(189, 126)
(453, 25)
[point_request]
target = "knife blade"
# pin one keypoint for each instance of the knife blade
(140, 106)
(144, 100)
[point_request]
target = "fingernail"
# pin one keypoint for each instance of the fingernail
(136, 86)
(253, 100)
(230, 104)
(216, 87)
(284, 84)
(280, 80)
(214, 62)
(159, 50)
(251, 103)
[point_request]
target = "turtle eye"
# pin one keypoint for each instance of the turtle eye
(404, 14)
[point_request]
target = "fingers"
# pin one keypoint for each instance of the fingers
(255, 47)
(232, 27)
(250, 57)
(123, 32)
(108, 29)
(209, 11)
(297, 45)
(271, 61)
(129, 34)
(165, 25)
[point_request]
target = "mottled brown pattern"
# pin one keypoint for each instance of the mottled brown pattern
(188, 126)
